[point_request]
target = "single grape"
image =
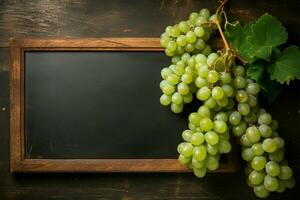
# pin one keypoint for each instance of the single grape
(212, 162)
(212, 149)
(199, 44)
(200, 172)
(168, 89)
(257, 149)
(228, 91)
(277, 155)
(217, 93)
(199, 153)
(171, 46)
(261, 191)
(187, 78)
(197, 138)
(258, 163)
(187, 135)
(290, 183)
(210, 102)
(173, 79)
(272, 168)
(200, 82)
(203, 71)
(221, 116)
(212, 76)
(235, 118)
(203, 93)
(256, 177)
(279, 142)
(271, 183)
(164, 41)
(197, 164)
(265, 118)
(206, 51)
(253, 134)
(190, 37)
(220, 126)
(243, 108)
(239, 129)
(205, 13)
(204, 111)
(177, 98)
(200, 58)
(184, 160)
(225, 77)
(244, 141)
(285, 173)
(239, 82)
(199, 31)
(238, 70)
(165, 100)
(211, 137)
(247, 154)
(281, 186)
(194, 118)
(186, 149)
(253, 88)
(165, 72)
(181, 40)
(252, 101)
(224, 146)
(176, 108)
(187, 98)
(250, 118)
(183, 26)
(212, 59)
(265, 130)
(269, 145)
(241, 96)
(223, 102)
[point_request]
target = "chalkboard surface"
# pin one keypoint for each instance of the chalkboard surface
(97, 105)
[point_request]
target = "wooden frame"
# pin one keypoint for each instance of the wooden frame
(19, 162)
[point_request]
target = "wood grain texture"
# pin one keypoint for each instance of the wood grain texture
(19, 162)
(134, 18)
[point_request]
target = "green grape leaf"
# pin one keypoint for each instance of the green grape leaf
(286, 67)
(267, 33)
(255, 71)
(256, 40)
(271, 89)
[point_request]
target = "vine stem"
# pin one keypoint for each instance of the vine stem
(217, 22)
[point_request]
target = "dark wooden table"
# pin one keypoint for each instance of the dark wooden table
(135, 18)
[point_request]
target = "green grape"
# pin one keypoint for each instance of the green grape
(241, 96)
(239, 129)
(206, 50)
(184, 160)
(281, 187)
(180, 50)
(261, 191)
(203, 111)
(258, 163)
(183, 27)
(228, 91)
(223, 102)
(189, 48)
(197, 138)
(239, 82)
(252, 101)
(210, 102)
(206, 124)
(243, 108)
(168, 89)
(235, 118)
(225, 77)
(277, 155)
(176, 108)
(183, 88)
(256, 177)
(261, 111)
(194, 118)
(244, 141)
(164, 41)
(177, 98)
(173, 79)
(199, 153)
(175, 59)
(279, 142)
(217, 93)
(225, 136)
(168, 29)
(181, 40)
(238, 70)
(271, 183)
(171, 46)
(162, 84)
(221, 116)
(187, 149)
(253, 88)
(192, 127)
(212, 162)
(212, 59)
(211, 137)
(190, 37)
(200, 58)
(250, 118)
(205, 13)
(187, 98)
(179, 70)
(200, 82)
(247, 154)
(172, 67)
(203, 93)
(290, 183)
(187, 78)
(265, 118)
(165, 100)
(200, 172)
(212, 76)
(197, 164)
(224, 146)
(199, 31)
(187, 135)
(265, 130)
(253, 134)
(269, 145)
(165, 72)
(185, 57)
(212, 149)
(200, 20)
(220, 126)
(274, 125)
(257, 149)
(272, 168)
(217, 108)
(199, 44)
(203, 71)
(285, 173)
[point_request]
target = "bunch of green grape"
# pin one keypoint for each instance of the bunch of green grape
(229, 107)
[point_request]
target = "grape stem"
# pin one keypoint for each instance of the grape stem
(217, 22)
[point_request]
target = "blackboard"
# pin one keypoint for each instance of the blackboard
(92, 105)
